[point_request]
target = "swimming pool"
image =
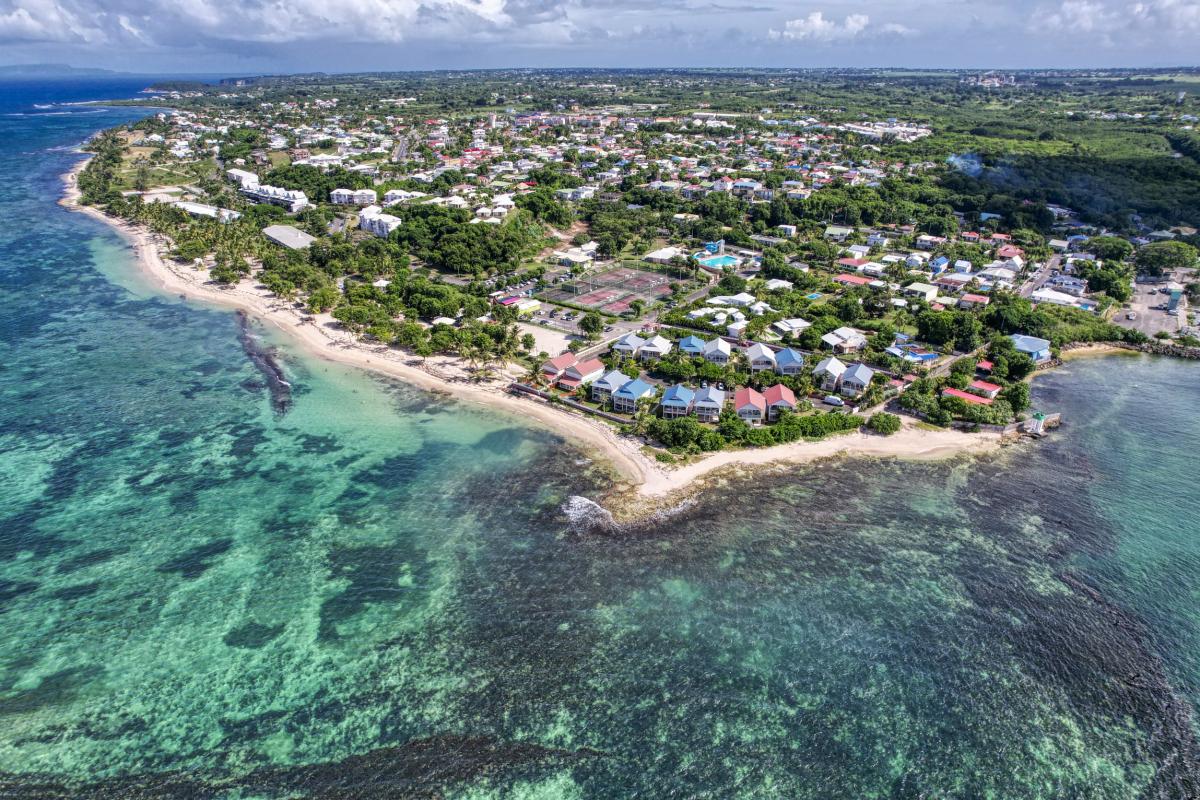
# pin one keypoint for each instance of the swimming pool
(717, 261)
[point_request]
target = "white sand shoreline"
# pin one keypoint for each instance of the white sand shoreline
(638, 474)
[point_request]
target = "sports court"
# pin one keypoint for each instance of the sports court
(612, 291)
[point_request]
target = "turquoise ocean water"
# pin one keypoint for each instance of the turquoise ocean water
(377, 593)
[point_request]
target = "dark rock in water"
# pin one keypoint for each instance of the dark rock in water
(10, 590)
(416, 769)
(265, 362)
(77, 592)
(252, 635)
(196, 561)
(58, 688)
(74, 563)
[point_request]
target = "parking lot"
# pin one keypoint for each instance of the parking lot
(1148, 318)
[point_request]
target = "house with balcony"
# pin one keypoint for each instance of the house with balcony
(604, 386)
(750, 405)
(625, 399)
(779, 398)
(708, 404)
(677, 401)
(760, 357)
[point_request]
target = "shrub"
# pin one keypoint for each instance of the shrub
(884, 423)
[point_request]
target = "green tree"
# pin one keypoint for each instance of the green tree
(323, 299)
(1109, 248)
(592, 324)
(884, 423)
(1017, 396)
(1160, 258)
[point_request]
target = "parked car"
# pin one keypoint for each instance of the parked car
(834, 400)
(1131, 315)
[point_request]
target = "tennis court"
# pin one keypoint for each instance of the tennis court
(612, 291)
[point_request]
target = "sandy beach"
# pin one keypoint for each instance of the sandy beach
(638, 475)
(1094, 349)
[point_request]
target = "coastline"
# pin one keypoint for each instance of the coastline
(1095, 349)
(638, 477)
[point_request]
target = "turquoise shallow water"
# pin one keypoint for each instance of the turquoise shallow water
(377, 594)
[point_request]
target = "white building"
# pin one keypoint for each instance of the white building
(204, 210)
(353, 197)
(794, 326)
(373, 220)
(244, 179)
(293, 201)
(394, 196)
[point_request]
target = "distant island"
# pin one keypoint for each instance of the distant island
(50, 71)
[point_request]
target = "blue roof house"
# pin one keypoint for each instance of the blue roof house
(603, 387)
(789, 362)
(1032, 346)
(677, 401)
(692, 345)
(626, 398)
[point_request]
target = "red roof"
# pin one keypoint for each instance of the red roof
(587, 367)
(1009, 250)
(985, 365)
(748, 397)
(779, 394)
(857, 280)
(975, 298)
(950, 391)
(853, 262)
(984, 386)
(559, 363)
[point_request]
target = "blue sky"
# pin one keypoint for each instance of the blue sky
(255, 36)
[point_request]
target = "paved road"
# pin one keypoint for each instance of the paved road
(1038, 278)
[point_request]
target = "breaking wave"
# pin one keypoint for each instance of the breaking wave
(588, 516)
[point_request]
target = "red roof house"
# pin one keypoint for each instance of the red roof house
(583, 372)
(555, 366)
(988, 390)
(972, 300)
(973, 399)
(779, 398)
(750, 405)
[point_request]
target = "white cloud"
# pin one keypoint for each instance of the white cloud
(815, 27)
(43, 21)
(1114, 22)
(173, 23)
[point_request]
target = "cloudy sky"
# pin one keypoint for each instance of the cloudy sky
(254, 36)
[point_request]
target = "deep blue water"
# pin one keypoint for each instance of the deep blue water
(377, 594)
